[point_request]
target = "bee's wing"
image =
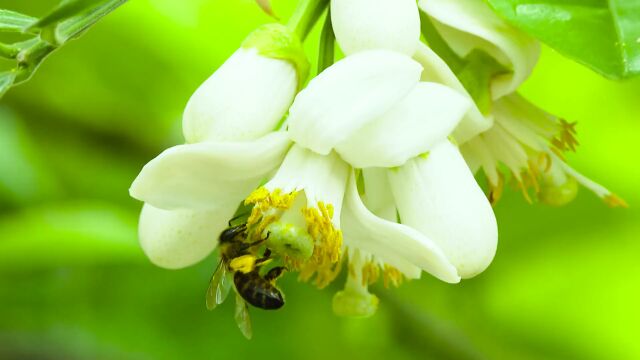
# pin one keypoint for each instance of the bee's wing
(219, 286)
(242, 317)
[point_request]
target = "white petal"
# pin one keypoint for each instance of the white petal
(382, 24)
(396, 244)
(243, 100)
(378, 197)
(321, 177)
(439, 197)
(203, 175)
(436, 70)
(347, 95)
(178, 238)
(472, 24)
(426, 116)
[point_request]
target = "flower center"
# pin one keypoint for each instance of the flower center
(307, 240)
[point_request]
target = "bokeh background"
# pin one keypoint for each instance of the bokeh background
(74, 283)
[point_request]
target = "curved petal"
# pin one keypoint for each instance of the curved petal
(347, 95)
(426, 116)
(471, 24)
(243, 100)
(383, 24)
(439, 197)
(377, 194)
(436, 70)
(321, 177)
(398, 245)
(175, 239)
(203, 175)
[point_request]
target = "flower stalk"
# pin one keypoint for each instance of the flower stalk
(305, 16)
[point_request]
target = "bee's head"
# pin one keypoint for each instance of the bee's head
(230, 233)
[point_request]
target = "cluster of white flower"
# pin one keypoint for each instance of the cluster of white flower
(373, 161)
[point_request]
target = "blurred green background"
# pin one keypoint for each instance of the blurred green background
(75, 285)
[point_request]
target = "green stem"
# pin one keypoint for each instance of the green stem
(8, 51)
(326, 51)
(305, 16)
(74, 28)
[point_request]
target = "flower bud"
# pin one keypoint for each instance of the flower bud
(382, 24)
(250, 93)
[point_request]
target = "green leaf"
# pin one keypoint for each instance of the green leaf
(6, 81)
(65, 10)
(601, 34)
(74, 28)
(11, 21)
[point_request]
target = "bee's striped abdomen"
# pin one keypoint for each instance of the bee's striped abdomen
(257, 291)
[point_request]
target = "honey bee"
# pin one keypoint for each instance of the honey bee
(240, 264)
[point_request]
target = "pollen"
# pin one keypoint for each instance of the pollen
(328, 239)
(325, 262)
(324, 273)
(266, 204)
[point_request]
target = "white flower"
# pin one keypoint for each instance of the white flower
(341, 99)
(472, 24)
(381, 24)
(246, 97)
(530, 143)
(371, 109)
(302, 202)
(436, 70)
(439, 196)
(191, 191)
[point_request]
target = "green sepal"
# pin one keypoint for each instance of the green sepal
(277, 41)
(476, 73)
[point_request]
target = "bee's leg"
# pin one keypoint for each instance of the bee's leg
(275, 273)
(265, 259)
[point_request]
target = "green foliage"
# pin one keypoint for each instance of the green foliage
(12, 21)
(601, 34)
(67, 21)
(74, 283)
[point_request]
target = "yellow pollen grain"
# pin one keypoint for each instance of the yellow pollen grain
(263, 202)
(328, 240)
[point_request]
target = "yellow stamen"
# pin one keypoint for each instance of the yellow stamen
(392, 275)
(320, 227)
(613, 200)
(495, 191)
(325, 273)
(566, 139)
(265, 203)
(370, 273)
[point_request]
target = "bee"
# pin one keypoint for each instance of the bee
(240, 264)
